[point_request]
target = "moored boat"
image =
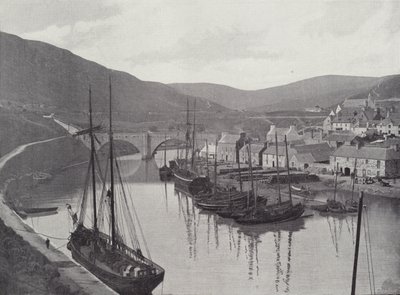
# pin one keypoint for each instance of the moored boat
(279, 212)
(284, 211)
(117, 258)
(186, 179)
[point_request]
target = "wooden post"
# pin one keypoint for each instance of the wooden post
(277, 168)
(288, 171)
(359, 219)
(208, 173)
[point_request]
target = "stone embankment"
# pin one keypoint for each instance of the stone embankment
(57, 273)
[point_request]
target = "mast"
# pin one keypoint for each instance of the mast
(359, 218)
(208, 172)
(187, 132)
(288, 170)
(337, 172)
(215, 166)
(238, 161)
(92, 151)
(194, 133)
(165, 150)
(277, 168)
(251, 177)
(113, 244)
(354, 178)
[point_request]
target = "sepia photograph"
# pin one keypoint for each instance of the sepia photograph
(199, 147)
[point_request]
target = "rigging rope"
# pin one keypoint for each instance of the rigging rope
(135, 213)
(368, 263)
(84, 196)
(131, 225)
(47, 236)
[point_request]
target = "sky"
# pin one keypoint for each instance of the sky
(249, 44)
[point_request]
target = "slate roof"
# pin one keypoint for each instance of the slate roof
(367, 152)
(229, 138)
(318, 152)
(305, 158)
(341, 137)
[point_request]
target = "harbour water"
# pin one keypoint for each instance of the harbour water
(205, 254)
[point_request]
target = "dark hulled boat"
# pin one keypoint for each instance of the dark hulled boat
(165, 172)
(274, 213)
(117, 261)
(186, 179)
(123, 269)
(280, 212)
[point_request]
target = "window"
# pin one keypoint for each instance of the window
(347, 159)
(389, 132)
(378, 173)
(378, 164)
(389, 126)
(366, 161)
(292, 164)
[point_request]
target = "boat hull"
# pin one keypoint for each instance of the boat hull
(268, 216)
(189, 182)
(139, 285)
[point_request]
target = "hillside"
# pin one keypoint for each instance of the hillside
(322, 91)
(17, 128)
(45, 78)
(385, 88)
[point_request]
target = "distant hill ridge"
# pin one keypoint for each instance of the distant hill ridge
(323, 91)
(37, 73)
(385, 88)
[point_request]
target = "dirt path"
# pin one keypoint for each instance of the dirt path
(72, 274)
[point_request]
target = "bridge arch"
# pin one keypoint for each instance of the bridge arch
(121, 148)
(169, 143)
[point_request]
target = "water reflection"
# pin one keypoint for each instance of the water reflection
(205, 254)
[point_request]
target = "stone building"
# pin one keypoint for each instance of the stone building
(373, 160)
(390, 125)
(306, 157)
(291, 134)
(211, 151)
(226, 150)
(336, 139)
(256, 153)
(359, 101)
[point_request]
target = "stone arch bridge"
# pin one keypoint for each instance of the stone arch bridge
(146, 142)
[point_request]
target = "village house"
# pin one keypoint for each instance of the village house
(211, 151)
(336, 139)
(358, 120)
(359, 101)
(291, 134)
(312, 135)
(256, 153)
(327, 123)
(226, 149)
(269, 155)
(390, 125)
(370, 160)
(311, 157)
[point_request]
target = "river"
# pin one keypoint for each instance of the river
(205, 254)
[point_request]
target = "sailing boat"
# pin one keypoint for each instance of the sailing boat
(123, 268)
(165, 172)
(280, 212)
(248, 199)
(334, 206)
(186, 179)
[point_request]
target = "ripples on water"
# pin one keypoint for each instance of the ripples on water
(205, 254)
